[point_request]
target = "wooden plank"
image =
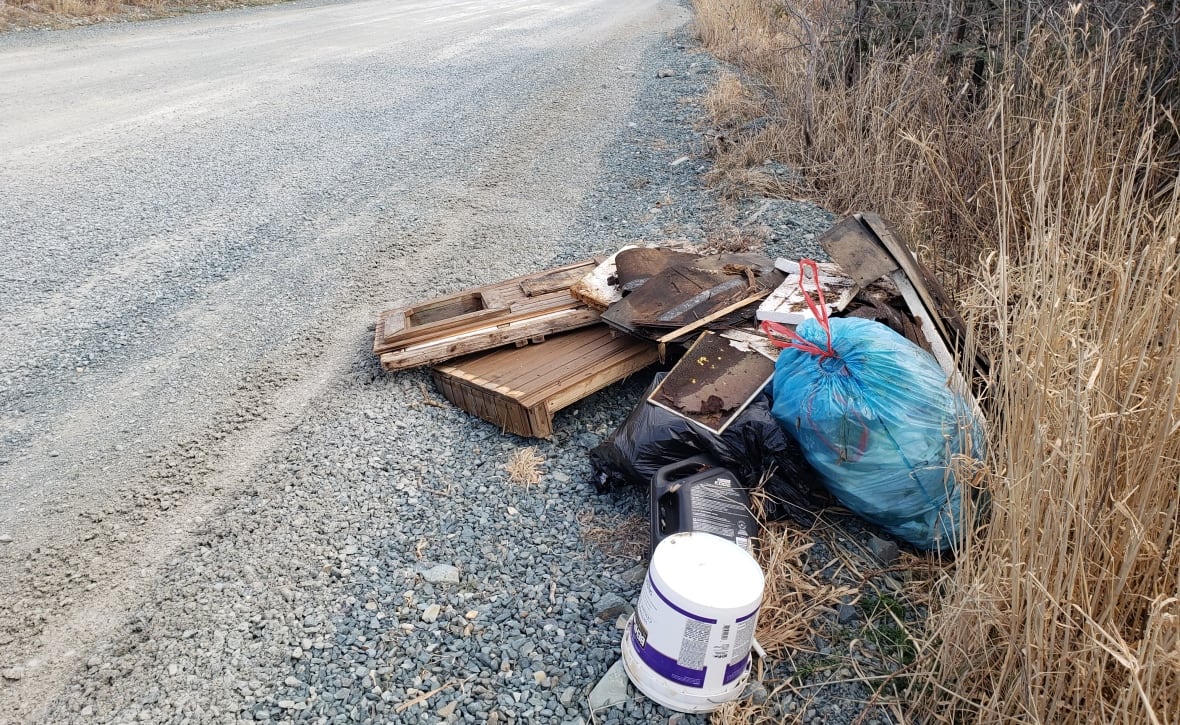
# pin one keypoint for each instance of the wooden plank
(604, 360)
(559, 279)
(506, 371)
(787, 304)
(618, 370)
(511, 312)
(541, 379)
(471, 341)
(554, 365)
(531, 378)
(712, 317)
(460, 309)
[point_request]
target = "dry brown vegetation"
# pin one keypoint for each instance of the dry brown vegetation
(1032, 157)
(524, 466)
(17, 14)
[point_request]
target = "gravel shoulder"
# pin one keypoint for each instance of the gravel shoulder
(220, 509)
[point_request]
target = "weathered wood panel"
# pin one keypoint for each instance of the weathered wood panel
(519, 389)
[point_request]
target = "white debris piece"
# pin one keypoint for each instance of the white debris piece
(787, 305)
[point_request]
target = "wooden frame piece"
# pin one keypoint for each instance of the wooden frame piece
(517, 311)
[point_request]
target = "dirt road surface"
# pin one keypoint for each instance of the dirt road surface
(199, 219)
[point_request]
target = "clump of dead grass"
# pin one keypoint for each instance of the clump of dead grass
(15, 14)
(793, 600)
(1033, 157)
(524, 467)
(616, 536)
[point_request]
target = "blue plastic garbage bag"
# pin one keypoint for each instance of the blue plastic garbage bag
(875, 417)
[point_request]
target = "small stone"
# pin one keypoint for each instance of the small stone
(566, 697)
(441, 574)
(561, 477)
(448, 709)
(635, 575)
(5, 539)
(431, 613)
(296, 653)
(621, 622)
(14, 674)
(540, 677)
(759, 694)
(611, 689)
(610, 606)
(293, 682)
(472, 614)
(886, 551)
(665, 73)
(846, 614)
(173, 669)
(287, 704)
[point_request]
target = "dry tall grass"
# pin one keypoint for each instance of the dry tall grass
(1038, 169)
(15, 14)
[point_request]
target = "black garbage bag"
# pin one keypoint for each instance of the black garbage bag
(754, 446)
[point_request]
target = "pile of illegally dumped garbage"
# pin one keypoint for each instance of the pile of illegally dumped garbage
(800, 379)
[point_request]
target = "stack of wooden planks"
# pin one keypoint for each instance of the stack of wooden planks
(521, 388)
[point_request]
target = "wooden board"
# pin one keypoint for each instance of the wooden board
(519, 389)
(517, 311)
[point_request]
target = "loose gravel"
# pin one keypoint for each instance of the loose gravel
(356, 552)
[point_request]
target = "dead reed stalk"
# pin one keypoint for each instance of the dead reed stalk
(1033, 156)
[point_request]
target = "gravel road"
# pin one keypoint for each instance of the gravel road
(214, 507)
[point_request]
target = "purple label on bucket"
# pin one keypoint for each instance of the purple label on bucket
(732, 672)
(666, 666)
(675, 608)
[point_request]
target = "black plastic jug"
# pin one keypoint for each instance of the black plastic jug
(697, 495)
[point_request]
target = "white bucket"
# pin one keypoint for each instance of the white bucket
(688, 644)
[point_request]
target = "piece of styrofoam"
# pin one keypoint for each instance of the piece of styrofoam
(595, 288)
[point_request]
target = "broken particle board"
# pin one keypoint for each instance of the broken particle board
(683, 295)
(636, 266)
(517, 311)
(519, 389)
(714, 382)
